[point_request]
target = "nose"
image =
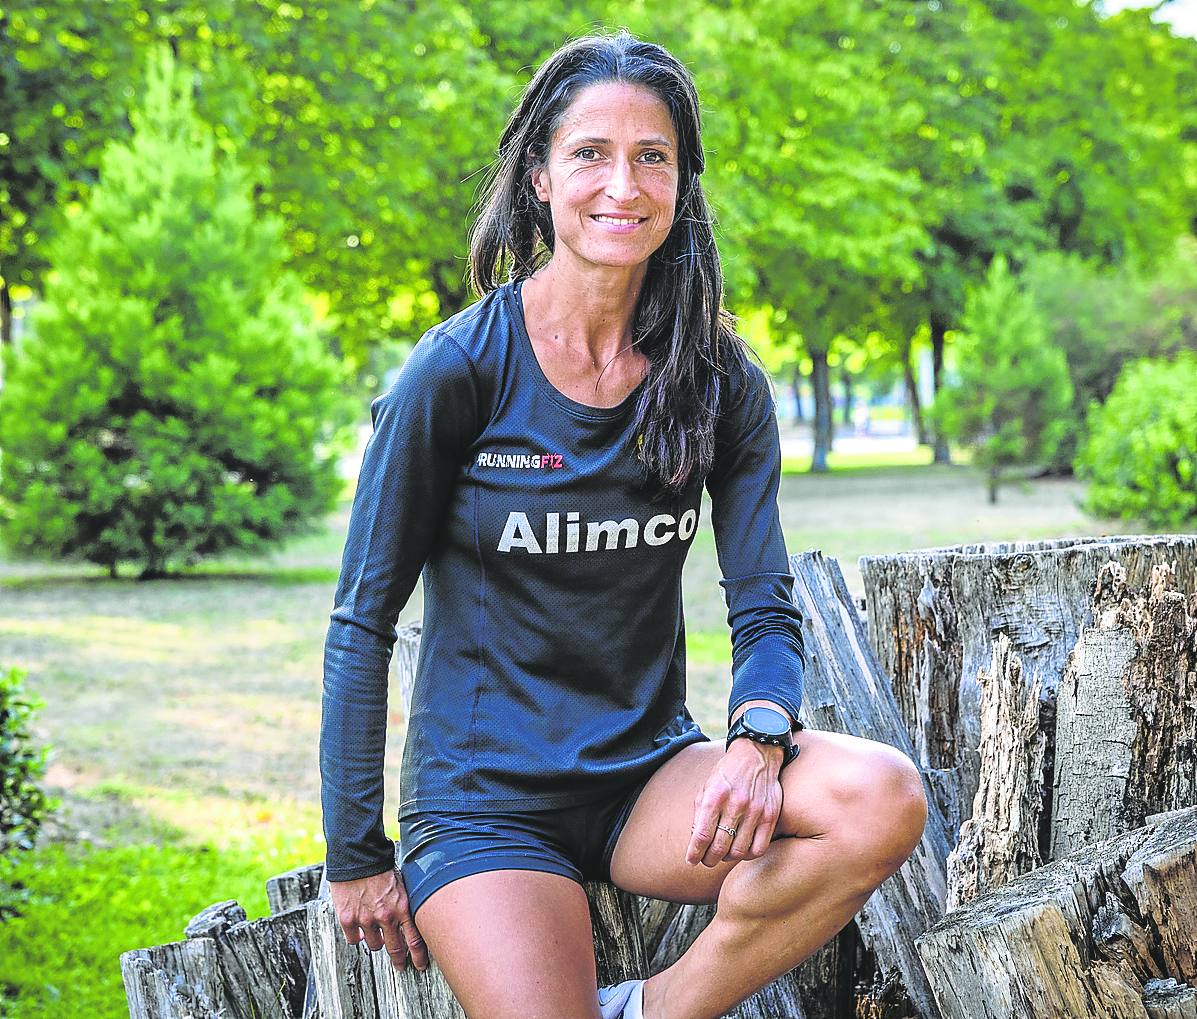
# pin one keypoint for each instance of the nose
(621, 185)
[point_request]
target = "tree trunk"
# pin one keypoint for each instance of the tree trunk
(1126, 719)
(1099, 934)
(227, 967)
(796, 384)
(846, 691)
(934, 616)
(912, 395)
(938, 328)
(821, 384)
(5, 316)
(846, 383)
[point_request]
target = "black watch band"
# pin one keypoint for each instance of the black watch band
(771, 729)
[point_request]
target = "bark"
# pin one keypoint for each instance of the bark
(227, 968)
(938, 329)
(934, 616)
(1000, 840)
(821, 386)
(1099, 933)
(1127, 712)
(912, 395)
(796, 384)
(846, 691)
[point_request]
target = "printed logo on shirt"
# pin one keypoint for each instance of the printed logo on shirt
(522, 461)
(520, 536)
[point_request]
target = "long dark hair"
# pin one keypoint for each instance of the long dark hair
(680, 323)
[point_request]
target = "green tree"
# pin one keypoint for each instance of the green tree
(1012, 394)
(1140, 453)
(174, 399)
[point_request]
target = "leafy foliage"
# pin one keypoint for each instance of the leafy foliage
(1012, 394)
(175, 399)
(23, 804)
(1140, 454)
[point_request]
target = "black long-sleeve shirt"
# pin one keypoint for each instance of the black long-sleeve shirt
(552, 658)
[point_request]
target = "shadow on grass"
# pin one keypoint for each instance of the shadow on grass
(285, 577)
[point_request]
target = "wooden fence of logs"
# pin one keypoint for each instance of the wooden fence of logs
(1048, 693)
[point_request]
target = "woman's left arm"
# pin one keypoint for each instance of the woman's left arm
(768, 657)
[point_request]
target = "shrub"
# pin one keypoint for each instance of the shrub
(1010, 399)
(1140, 455)
(23, 804)
(174, 399)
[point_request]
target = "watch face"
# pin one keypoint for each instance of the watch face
(766, 720)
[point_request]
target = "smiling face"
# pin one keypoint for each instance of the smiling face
(615, 155)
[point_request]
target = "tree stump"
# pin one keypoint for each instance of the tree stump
(1125, 743)
(847, 691)
(934, 615)
(227, 968)
(1126, 719)
(1106, 932)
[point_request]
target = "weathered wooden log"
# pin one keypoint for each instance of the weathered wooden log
(1089, 935)
(1126, 719)
(227, 968)
(934, 614)
(1000, 840)
(353, 982)
(847, 691)
(294, 887)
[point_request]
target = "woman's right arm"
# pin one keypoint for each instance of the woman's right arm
(422, 429)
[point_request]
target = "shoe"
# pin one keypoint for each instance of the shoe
(612, 999)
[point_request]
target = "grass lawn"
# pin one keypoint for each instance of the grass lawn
(184, 713)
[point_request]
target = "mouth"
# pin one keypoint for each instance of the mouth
(620, 224)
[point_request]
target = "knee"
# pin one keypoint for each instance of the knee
(886, 811)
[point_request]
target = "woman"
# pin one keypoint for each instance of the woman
(541, 458)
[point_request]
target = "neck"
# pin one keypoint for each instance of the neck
(588, 310)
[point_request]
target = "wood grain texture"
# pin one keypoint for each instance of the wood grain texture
(935, 613)
(1127, 711)
(847, 691)
(1083, 936)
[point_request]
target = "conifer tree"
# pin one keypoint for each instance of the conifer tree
(174, 398)
(1012, 394)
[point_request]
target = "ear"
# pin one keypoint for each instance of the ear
(538, 178)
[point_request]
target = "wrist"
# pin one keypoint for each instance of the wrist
(768, 751)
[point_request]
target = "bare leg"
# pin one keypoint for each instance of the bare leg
(854, 810)
(514, 944)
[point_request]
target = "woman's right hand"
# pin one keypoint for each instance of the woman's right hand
(376, 908)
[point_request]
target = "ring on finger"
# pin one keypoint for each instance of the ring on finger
(730, 831)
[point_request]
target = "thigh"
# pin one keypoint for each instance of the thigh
(820, 793)
(514, 944)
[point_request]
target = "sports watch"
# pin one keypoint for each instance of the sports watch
(765, 725)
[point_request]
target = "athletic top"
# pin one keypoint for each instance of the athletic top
(552, 657)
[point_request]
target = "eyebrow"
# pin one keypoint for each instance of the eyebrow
(607, 141)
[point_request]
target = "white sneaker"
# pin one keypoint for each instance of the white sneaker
(613, 999)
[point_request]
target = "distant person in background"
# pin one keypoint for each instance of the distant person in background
(541, 460)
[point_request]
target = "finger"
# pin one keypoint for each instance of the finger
(762, 837)
(396, 946)
(741, 845)
(702, 832)
(372, 936)
(721, 842)
(415, 943)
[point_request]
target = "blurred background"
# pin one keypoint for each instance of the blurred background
(960, 234)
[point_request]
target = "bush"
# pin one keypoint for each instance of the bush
(23, 804)
(1009, 402)
(1103, 317)
(1140, 455)
(174, 399)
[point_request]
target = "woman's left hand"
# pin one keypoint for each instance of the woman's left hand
(742, 792)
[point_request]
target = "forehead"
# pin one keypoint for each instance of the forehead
(616, 109)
